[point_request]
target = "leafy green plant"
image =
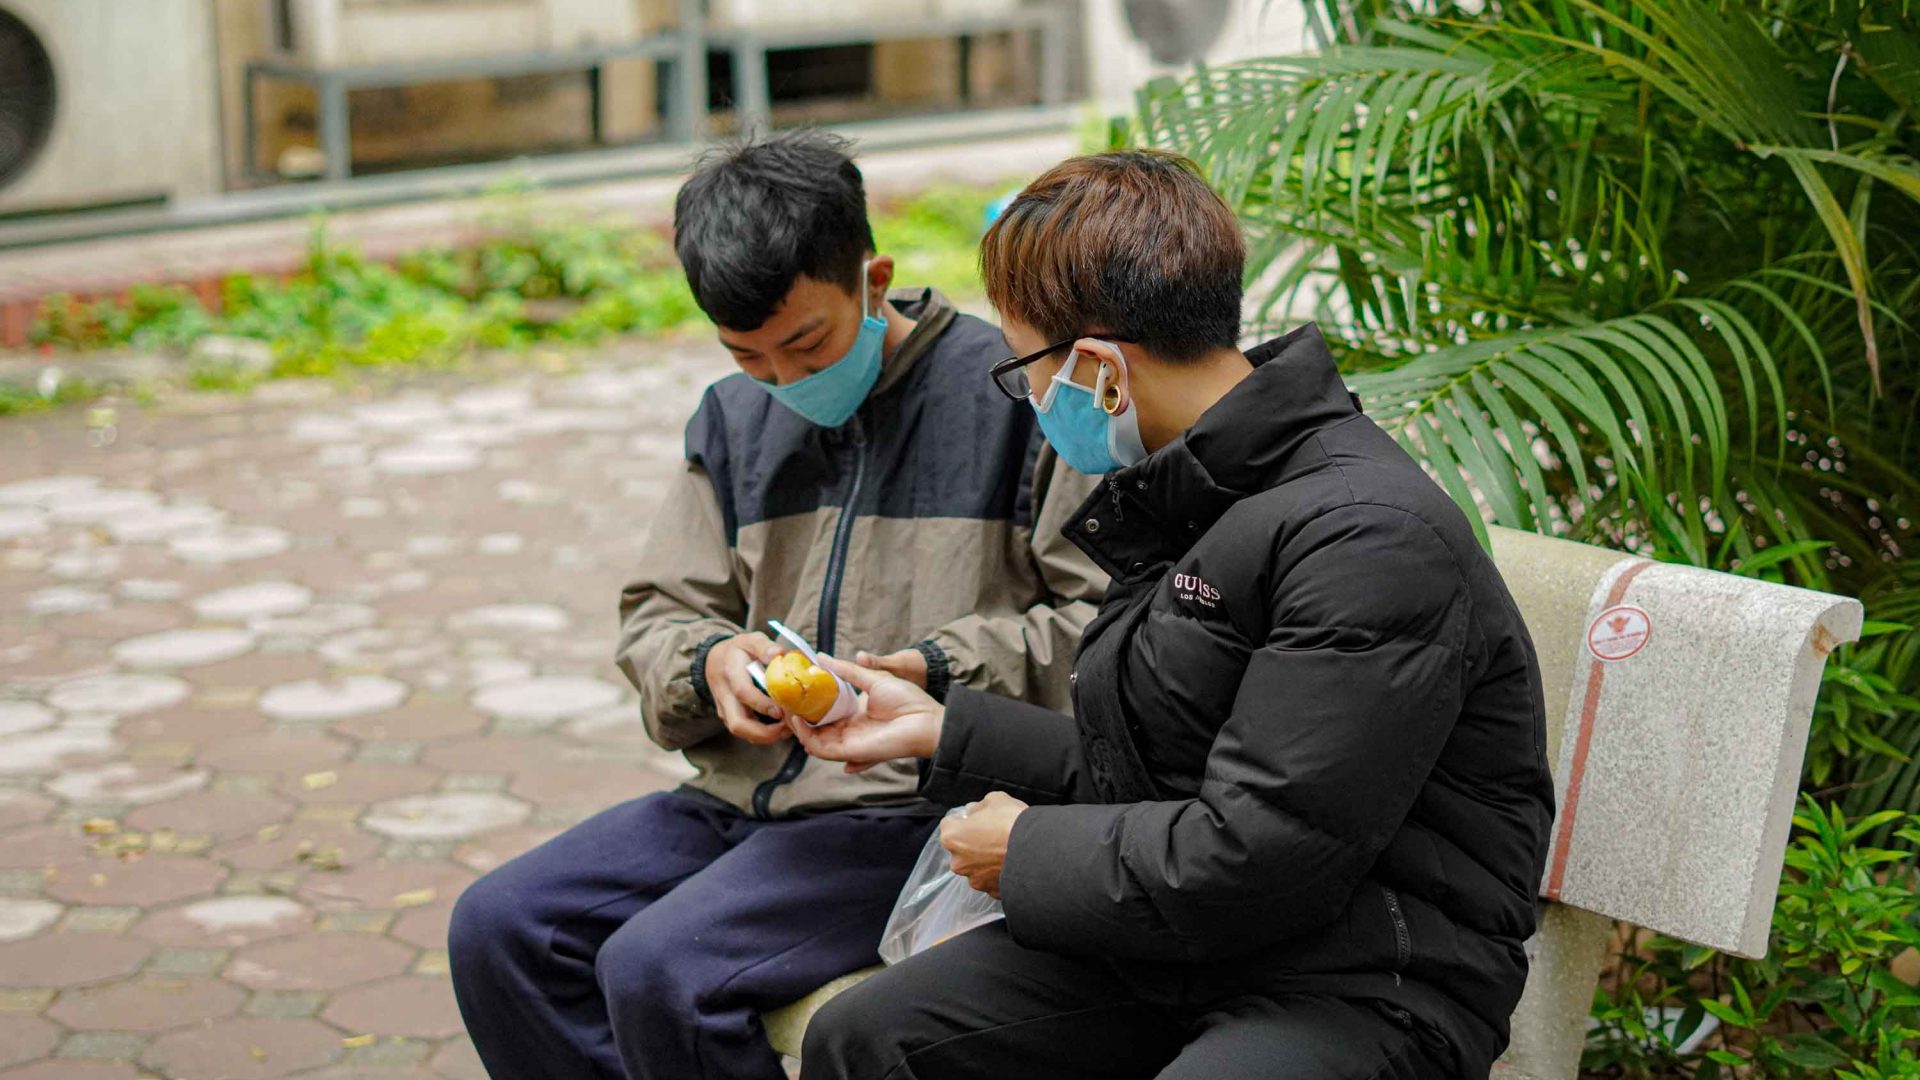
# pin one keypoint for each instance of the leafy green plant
(539, 278)
(1823, 1003)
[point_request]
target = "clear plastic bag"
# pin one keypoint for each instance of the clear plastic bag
(935, 905)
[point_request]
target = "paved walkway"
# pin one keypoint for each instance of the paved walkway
(279, 677)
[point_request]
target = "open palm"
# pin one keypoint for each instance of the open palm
(895, 719)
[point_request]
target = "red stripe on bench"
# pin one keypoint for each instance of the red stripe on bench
(1583, 739)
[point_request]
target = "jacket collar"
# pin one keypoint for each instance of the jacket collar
(932, 313)
(1150, 513)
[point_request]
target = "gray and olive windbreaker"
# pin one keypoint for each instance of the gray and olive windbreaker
(931, 519)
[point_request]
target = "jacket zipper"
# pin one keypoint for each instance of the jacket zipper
(1402, 940)
(827, 628)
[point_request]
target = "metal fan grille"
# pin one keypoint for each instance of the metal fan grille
(26, 97)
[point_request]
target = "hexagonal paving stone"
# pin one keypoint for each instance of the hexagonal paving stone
(43, 656)
(61, 960)
(244, 1048)
(151, 1003)
(412, 1005)
(500, 544)
(283, 848)
(95, 506)
(171, 649)
(545, 700)
(118, 695)
(371, 1070)
(227, 544)
(146, 882)
(151, 524)
(149, 590)
(20, 717)
(410, 412)
(72, 1069)
(422, 716)
(383, 648)
(114, 623)
(220, 814)
(274, 751)
(503, 402)
(262, 598)
(30, 849)
(318, 962)
(457, 1060)
(505, 754)
(359, 782)
(202, 722)
(64, 599)
(318, 620)
(323, 429)
(21, 917)
(259, 670)
(17, 521)
(482, 670)
(226, 922)
(426, 459)
(24, 1038)
(45, 490)
(446, 816)
(617, 723)
(322, 700)
(124, 781)
(388, 884)
(22, 808)
(84, 561)
(486, 853)
(512, 619)
(587, 785)
(44, 751)
(427, 926)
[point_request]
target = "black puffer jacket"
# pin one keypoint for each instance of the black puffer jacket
(1310, 748)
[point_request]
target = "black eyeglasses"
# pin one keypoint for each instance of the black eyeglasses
(1010, 375)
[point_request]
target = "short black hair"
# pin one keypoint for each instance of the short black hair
(1131, 243)
(759, 214)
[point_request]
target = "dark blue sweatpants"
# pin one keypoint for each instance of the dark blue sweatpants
(644, 942)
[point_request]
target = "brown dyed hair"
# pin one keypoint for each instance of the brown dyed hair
(1132, 243)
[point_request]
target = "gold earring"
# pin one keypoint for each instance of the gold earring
(1110, 400)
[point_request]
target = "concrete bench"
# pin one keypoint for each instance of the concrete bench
(1678, 706)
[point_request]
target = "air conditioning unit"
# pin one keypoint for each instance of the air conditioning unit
(344, 33)
(105, 102)
(1131, 41)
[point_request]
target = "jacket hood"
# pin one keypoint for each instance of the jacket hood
(1243, 444)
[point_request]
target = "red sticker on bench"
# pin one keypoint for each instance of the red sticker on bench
(1618, 633)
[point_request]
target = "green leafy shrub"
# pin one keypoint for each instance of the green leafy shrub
(1824, 1001)
(538, 279)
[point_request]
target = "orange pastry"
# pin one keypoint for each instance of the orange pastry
(801, 687)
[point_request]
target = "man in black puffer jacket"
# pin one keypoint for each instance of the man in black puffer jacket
(1306, 789)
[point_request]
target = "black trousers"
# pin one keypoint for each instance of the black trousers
(981, 1006)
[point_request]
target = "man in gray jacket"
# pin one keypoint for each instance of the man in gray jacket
(862, 482)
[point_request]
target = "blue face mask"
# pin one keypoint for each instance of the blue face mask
(1086, 436)
(831, 395)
